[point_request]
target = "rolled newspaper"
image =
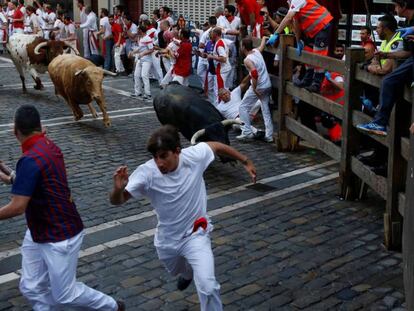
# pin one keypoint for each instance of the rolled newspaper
(8, 171)
(5, 169)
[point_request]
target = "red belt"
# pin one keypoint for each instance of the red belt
(201, 222)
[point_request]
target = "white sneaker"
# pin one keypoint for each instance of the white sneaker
(268, 139)
(136, 95)
(147, 97)
(244, 137)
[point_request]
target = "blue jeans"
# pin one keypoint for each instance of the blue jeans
(392, 89)
(108, 54)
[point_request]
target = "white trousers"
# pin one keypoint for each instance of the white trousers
(156, 65)
(202, 71)
(49, 277)
(202, 68)
(193, 258)
(85, 39)
(118, 51)
(168, 77)
(248, 102)
(180, 79)
(141, 75)
(167, 64)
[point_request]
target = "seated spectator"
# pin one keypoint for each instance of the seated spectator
(391, 42)
(392, 86)
(367, 43)
(339, 52)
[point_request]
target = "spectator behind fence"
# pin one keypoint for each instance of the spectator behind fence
(366, 42)
(392, 87)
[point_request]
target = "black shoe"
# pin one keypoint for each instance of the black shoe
(307, 79)
(373, 160)
(381, 170)
(121, 305)
(182, 283)
(315, 86)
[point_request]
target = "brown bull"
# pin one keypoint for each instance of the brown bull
(79, 82)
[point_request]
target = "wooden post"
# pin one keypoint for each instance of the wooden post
(350, 136)
(408, 228)
(395, 179)
(285, 139)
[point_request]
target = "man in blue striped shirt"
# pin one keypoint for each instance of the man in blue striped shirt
(52, 242)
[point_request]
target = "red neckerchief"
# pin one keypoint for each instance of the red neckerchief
(30, 141)
(230, 18)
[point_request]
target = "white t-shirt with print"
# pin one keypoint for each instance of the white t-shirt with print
(297, 5)
(179, 198)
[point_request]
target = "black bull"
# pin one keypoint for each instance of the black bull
(184, 108)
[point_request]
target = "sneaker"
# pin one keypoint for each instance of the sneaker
(268, 139)
(121, 305)
(136, 95)
(182, 283)
(147, 97)
(244, 137)
(373, 128)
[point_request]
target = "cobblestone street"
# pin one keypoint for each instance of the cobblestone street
(287, 243)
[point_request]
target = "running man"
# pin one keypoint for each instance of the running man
(173, 181)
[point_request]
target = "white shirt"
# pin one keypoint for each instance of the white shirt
(61, 26)
(222, 50)
(83, 16)
(3, 19)
(145, 44)
(90, 23)
(263, 81)
(230, 110)
(104, 23)
(297, 5)
(40, 19)
(50, 19)
(223, 22)
(173, 46)
(30, 22)
(69, 30)
(179, 198)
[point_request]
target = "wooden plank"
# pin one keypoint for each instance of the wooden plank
(328, 63)
(396, 176)
(314, 138)
(405, 148)
(401, 203)
(376, 182)
(316, 100)
(368, 78)
(358, 117)
(408, 229)
(285, 140)
(376, 80)
(350, 137)
(274, 80)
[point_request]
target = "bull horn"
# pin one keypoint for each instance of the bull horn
(39, 46)
(197, 135)
(109, 73)
(73, 49)
(229, 122)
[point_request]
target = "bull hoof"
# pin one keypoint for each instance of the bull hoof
(107, 123)
(77, 118)
(39, 87)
